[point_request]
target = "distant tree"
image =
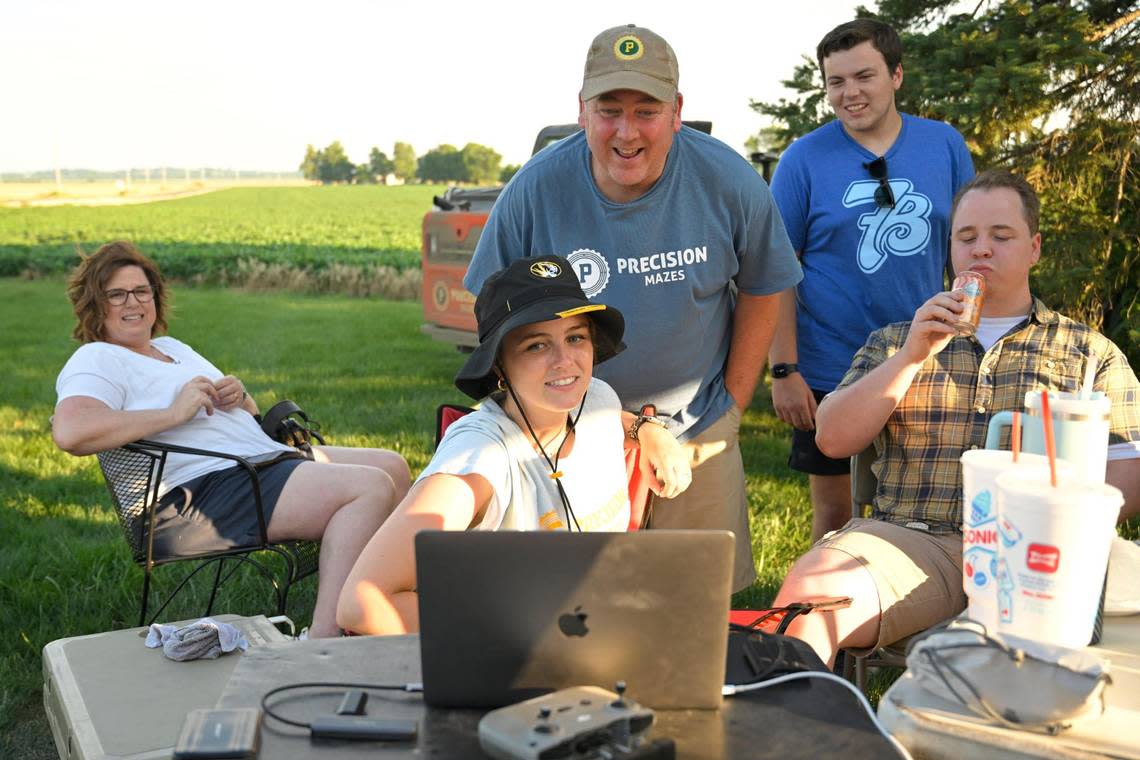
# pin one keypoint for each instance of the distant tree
(1051, 89)
(311, 165)
(404, 161)
(508, 171)
(480, 163)
(379, 163)
(334, 165)
(363, 175)
(443, 163)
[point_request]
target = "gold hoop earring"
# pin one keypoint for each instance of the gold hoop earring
(501, 386)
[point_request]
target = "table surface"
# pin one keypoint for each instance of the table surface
(810, 718)
(936, 728)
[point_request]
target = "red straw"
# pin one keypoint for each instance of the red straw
(1050, 448)
(1015, 435)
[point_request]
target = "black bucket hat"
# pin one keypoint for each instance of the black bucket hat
(532, 290)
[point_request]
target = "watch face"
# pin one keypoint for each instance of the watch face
(782, 370)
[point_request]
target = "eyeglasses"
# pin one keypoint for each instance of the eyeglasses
(884, 196)
(118, 297)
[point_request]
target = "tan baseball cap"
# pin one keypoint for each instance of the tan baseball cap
(630, 58)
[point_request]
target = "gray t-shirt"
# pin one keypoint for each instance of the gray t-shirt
(671, 261)
(487, 442)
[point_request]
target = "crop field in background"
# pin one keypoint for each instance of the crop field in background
(361, 240)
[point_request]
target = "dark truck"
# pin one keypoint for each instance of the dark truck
(450, 231)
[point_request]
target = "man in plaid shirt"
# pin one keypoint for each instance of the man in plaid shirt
(923, 395)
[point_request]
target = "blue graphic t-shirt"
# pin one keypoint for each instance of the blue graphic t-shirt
(865, 266)
(667, 260)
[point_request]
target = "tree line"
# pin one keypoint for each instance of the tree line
(445, 163)
(1048, 89)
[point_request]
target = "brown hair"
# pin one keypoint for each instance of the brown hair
(89, 280)
(999, 179)
(846, 36)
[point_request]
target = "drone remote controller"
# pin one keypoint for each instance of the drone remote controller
(573, 724)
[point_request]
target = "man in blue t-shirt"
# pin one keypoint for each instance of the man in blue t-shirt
(676, 230)
(866, 202)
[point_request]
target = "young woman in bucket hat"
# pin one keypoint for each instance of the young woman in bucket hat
(543, 452)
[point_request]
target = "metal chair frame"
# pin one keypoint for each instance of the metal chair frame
(133, 473)
(863, 487)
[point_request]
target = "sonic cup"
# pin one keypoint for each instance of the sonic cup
(1053, 566)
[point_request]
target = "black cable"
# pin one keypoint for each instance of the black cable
(324, 685)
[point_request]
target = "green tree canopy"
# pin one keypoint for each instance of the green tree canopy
(328, 165)
(404, 162)
(444, 163)
(311, 164)
(1049, 89)
(379, 164)
(480, 163)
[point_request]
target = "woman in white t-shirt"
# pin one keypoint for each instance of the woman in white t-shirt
(128, 382)
(543, 452)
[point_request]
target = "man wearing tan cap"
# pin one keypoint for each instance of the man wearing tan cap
(677, 231)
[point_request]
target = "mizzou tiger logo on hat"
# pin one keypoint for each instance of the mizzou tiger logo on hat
(545, 269)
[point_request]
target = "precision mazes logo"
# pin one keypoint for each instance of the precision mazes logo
(592, 269)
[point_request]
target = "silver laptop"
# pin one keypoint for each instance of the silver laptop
(510, 615)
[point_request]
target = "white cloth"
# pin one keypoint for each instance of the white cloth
(205, 639)
(128, 381)
(487, 442)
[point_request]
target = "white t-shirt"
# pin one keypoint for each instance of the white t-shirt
(487, 442)
(128, 381)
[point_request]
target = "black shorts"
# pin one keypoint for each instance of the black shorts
(806, 456)
(215, 511)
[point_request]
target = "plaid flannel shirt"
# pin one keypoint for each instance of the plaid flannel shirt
(947, 408)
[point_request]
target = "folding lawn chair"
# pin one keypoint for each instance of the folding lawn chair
(133, 473)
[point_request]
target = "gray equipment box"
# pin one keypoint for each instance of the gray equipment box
(107, 696)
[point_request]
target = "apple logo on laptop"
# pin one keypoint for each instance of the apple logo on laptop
(573, 624)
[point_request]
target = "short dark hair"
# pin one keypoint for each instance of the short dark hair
(89, 280)
(998, 179)
(846, 36)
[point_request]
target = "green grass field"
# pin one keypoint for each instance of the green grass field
(66, 571)
(207, 237)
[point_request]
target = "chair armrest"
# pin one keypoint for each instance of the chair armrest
(149, 446)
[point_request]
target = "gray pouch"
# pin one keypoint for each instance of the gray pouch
(1011, 681)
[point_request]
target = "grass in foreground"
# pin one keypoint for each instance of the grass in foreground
(360, 366)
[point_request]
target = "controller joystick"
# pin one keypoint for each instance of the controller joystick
(620, 702)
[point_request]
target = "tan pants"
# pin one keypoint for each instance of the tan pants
(717, 498)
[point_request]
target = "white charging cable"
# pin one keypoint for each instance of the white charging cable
(731, 689)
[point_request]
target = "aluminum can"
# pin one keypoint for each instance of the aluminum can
(973, 285)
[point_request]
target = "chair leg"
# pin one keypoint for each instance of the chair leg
(214, 589)
(145, 596)
(861, 674)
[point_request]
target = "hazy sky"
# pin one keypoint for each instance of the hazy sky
(112, 84)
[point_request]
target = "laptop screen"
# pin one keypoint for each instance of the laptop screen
(505, 616)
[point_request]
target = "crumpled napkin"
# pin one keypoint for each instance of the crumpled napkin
(205, 639)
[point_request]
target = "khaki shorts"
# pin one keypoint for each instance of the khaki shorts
(716, 499)
(918, 575)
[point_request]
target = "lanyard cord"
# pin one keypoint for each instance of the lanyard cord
(555, 475)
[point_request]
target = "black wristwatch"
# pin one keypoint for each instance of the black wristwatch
(783, 370)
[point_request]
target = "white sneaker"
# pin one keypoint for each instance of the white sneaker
(304, 635)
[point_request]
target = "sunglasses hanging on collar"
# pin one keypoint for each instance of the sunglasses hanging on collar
(884, 196)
